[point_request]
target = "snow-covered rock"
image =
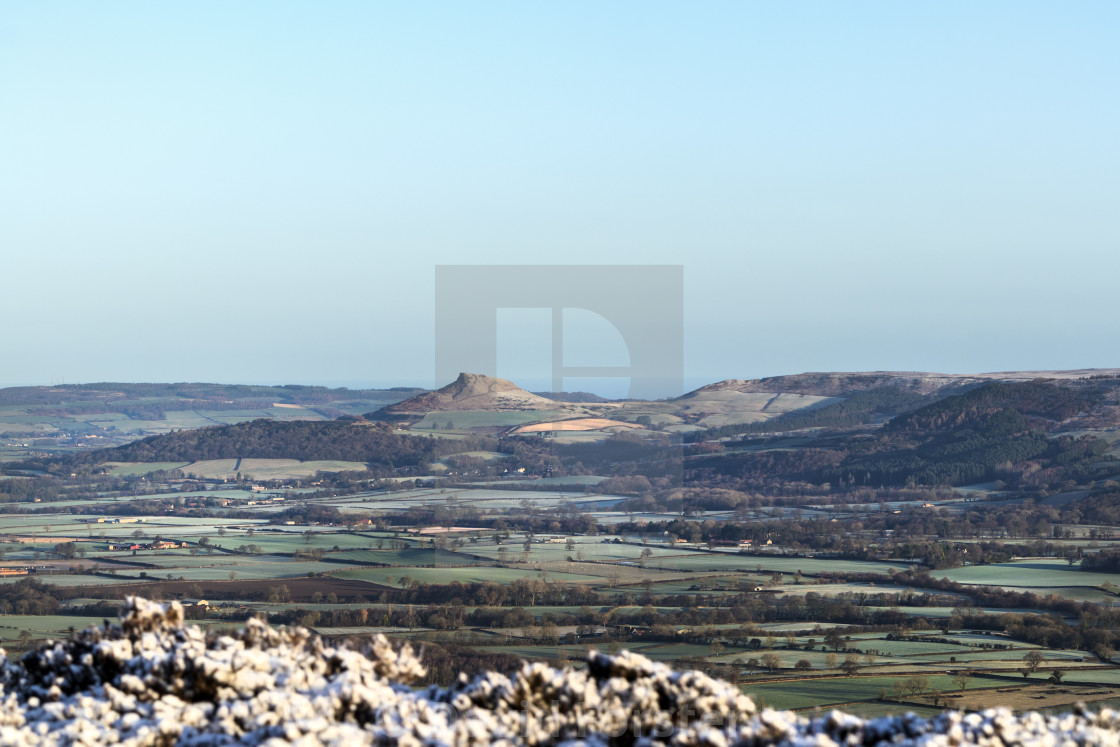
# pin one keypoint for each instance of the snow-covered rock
(153, 680)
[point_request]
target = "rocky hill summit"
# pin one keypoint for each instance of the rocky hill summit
(153, 680)
(473, 392)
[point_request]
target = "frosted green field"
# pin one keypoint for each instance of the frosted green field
(829, 691)
(1076, 593)
(1096, 677)
(1015, 656)
(189, 419)
(267, 469)
(131, 469)
(1036, 573)
(413, 557)
(290, 542)
(559, 481)
(481, 498)
(907, 648)
(584, 550)
(735, 561)
(483, 574)
(41, 626)
(729, 407)
(254, 569)
(72, 580)
(467, 419)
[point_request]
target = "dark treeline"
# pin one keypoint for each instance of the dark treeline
(691, 617)
(1106, 561)
(1102, 507)
(28, 596)
(968, 437)
(499, 603)
(374, 444)
(679, 616)
(919, 534)
(995, 431)
(445, 663)
(28, 491)
(1038, 398)
(657, 458)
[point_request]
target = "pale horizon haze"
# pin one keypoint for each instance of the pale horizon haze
(260, 192)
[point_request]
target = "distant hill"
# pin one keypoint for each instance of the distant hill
(355, 441)
(840, 384)
(107, 397)
(835, 399)
(1022, 433)
(855, 430)
(43, 420)
(981, 434)
(724, 408)
(472, 392)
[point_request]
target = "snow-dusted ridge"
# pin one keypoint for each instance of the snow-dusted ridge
(152, 680)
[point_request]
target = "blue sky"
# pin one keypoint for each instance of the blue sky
(259, 192)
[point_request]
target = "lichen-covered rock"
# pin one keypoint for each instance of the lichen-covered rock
(153, 680)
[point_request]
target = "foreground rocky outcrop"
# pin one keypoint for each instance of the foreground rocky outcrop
(152, 680)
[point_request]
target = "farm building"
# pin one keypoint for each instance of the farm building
(166, 545)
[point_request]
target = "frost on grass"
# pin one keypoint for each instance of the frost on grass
(153, 680)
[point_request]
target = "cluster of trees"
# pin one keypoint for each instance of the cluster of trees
(1015, 529)
(1105, 561)
(30, 491)
(1038, 399)
(566, 518)
(1102, 507)
(940, 554)
(28, 596)
(658, 458)
(309, 513)
(445, 663)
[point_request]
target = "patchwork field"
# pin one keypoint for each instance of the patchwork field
(576, 424)
(264, 469)
(1045, 573)
(548, 568)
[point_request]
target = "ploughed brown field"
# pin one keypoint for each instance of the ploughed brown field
(578, 424)
(1031, 697)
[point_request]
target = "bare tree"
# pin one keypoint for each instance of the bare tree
(1032, 660)
(961, 678)
(771, 661)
